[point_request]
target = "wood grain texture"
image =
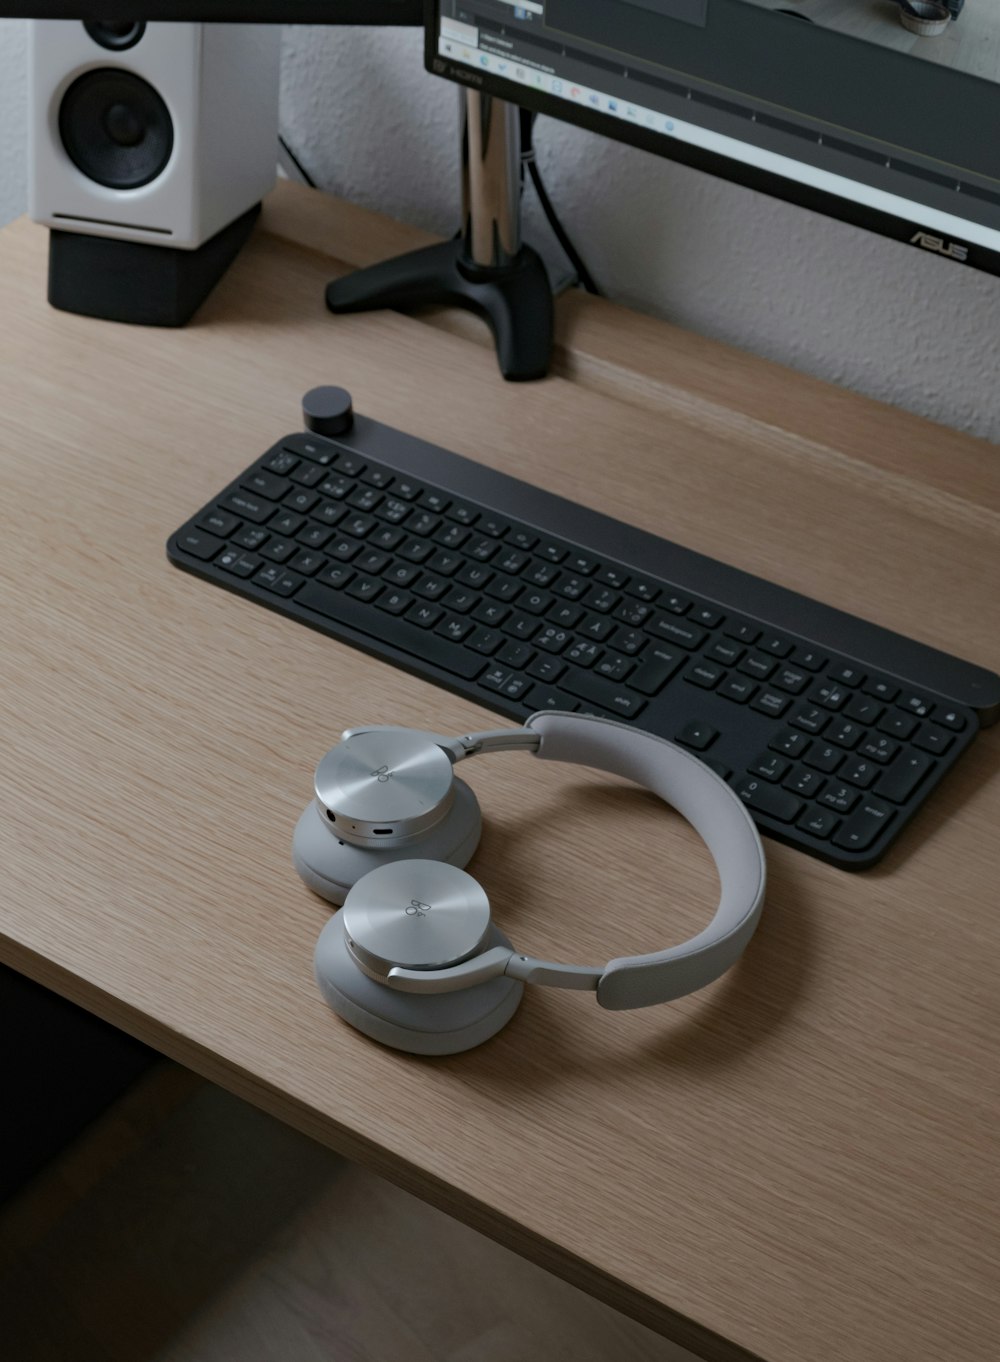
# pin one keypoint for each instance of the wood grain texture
(805, 1152)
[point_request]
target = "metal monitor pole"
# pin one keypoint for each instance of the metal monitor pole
(487, 268)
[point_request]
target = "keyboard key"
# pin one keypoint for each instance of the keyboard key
(250, 507)
(265, 484)
(823, 757)
(770, 702)
(281, 461)
(219, 523)
(611, 696)
(808, 658)
(844, 733)
(738, 688)
(704, 674)
(546, 697)
(879, 749)
(310, 448)
(424, 615)
(552, 640)
(308, 474)
(916, 704)
(775, 645)
(820, 822)
(809, 718)
(278, 579)
(770, 766)
(515, 654)
(307, 563)
(676, 631)
(698, 736)
(863, 709)
(830, 694)
(485, 641)
(790, 680)
(511, 561)
(643, 589)
(757, 666)
(840, 797)
(903, 776)
(572, 587)
(847, 675)
(859, 832)
(597, 627)
(628, 641)
(886, 691)
(351, 464)
(460, 600)
(401, 574)
(614, 667)
(314, 536)
(455, 628)
(705, 616)
(743, 630)
(612, 576)
(655, 670)
(898, 725)
(763, 798)
(541, 574)
(395, 602)
(251, 537)
(601, 598)
(302, 501)
(584, 653)
(535, 602)
(238, 563)
(365, 588)
(951, 719)
(859, 772)
(803, 782)
(791, 744)
(933, 739)
(491, 613)
(365, 499)
(462, 512)
(725, 651)
(546, 668)
(287, 524)
(675, 602)
(337, 576)
(199, 544)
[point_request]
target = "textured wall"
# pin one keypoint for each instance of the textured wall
(812, 293)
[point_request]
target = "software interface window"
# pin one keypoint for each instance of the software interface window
(969, 42)
(787, 98)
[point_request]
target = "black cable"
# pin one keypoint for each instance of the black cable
(297, 163)
(529, 160)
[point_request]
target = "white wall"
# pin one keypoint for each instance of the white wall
(818, 295)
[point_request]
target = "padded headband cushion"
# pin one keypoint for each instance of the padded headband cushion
(716, 814)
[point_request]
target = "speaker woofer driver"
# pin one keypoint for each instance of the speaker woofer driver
(116, 129)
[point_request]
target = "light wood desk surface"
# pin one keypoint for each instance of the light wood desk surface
(801, 1162)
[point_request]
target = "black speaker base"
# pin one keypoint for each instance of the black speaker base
(132, 281)
(516, 301)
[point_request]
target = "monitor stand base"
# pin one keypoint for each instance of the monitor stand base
(515, 299)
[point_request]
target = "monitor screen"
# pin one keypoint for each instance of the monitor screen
(833, 104)
(222, 11)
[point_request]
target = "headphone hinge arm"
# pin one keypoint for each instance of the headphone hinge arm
(494, 740)
(550, 975)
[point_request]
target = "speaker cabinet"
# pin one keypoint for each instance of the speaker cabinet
(151, 146)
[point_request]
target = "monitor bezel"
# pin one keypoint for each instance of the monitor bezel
(911, 231)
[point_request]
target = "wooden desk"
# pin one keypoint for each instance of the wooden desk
(799, 1163)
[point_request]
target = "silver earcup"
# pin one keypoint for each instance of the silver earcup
(439, 1024)
(330, 866)
(385, 787)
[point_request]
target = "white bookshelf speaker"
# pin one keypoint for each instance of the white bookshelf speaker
(151, 146)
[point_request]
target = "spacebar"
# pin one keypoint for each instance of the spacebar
(366, 619)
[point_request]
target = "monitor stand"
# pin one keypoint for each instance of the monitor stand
(487, 268)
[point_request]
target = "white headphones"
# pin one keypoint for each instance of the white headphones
(414, 959)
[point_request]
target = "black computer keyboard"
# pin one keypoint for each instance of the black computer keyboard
(832, 730)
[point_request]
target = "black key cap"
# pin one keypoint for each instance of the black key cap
(743, 631)
(644, 589)
(582, 563)
(676, 603)
(844, 733)
(364, 498)
(461, 600)
(822, 757)
(330, 513)
(864, 709)
(724, 650)
(515, 654)
(572, 587)
(377, 477)
(830, 695)
(308, 474)
(902, 777)
(278, 579)
(951, 719)
(435, 501)
(392, 510)
(491, 613)
(546, 697)
(444, 564)
(705, 674)
(770, 766)
(307, 563)
(808, 658)
(493, 526)
(791, 744)
(394, 602)
(265, 484)
(787, 678)
(337, 575)
(696, 735)
(879, 749)
(611, 696)
(916, 704)
(840, 797)
(601, 598)
(199, 544)
(567, 616)
(386, 538)
(554, 553)
(315, 536)
(250, 507)
(933, 739)
(757, 666)
(775, 645)
(584, 653)
(710, 619)
(340, 488)
(463, 513)
(820, 822)
(522, 626)
(511, 561)
(737, 688)
(287, 524)
(546, 668)
(897, 725)
(455, 628)
(360, 526)
(504, 588)
(803, 782)
(615, 667)
(251, 537)
(344, 549)
(633, 613)
(770, 702)
(522, 539)
(282, 461)
(302, 501)
(350, 464)
(810, 718)
(541, 574)
(673, 630)
(365, 589)
(239, 564)
(220, 523)
(422, 524)
(598, 627)
(407, 638)
(612, 576)
(424, 614)
(758, 795)
(859, 832)
(535, 602)
(485, 641)
(859, 772)
(407, 489)
(655, 670)
(280, 550)
(847, 675)
(451, 536)
(552, 640)
(310, 448)
(628, 641)
(885, 691)
(417, 550)
(401, 574)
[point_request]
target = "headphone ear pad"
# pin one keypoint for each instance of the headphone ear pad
(331, 867)
(421, 1024)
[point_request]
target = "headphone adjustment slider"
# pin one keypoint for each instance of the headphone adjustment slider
(496, 740)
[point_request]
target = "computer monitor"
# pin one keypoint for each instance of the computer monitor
(851, 114)
(222, 11)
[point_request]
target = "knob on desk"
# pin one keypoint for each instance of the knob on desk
(328, 411)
